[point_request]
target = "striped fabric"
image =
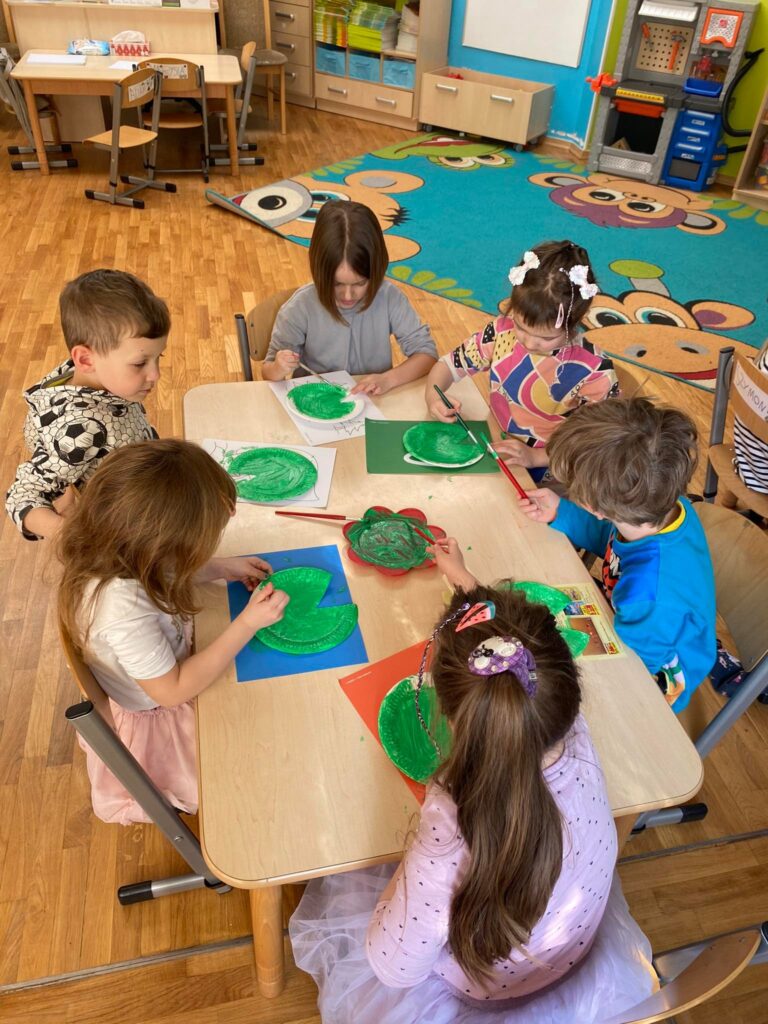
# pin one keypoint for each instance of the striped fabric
(751, 453)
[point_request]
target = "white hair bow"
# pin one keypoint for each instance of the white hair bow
(578, 276)
(517, 274)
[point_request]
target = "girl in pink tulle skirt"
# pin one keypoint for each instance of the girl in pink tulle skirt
(506, 906)
(132, 549)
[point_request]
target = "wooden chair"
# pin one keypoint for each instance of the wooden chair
(254, 330)
(181, 79)
(271, 63)
(132, 93)
(243, 108)
(12, 98)
(92, 719)
(739, 551)
(735, 374)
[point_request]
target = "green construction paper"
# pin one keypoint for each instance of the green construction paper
(388, 539)
(402, 735)
(441, 442)
(576, 639)
(305, 628)
(321, 400)
(384, 449)
(272, 474)
(556, 601)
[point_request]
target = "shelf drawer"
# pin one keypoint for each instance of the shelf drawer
(369, 95)
(297, 49)
(289, 19)
(449, 102)
(298, 80)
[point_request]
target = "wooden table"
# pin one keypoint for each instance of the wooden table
(292, 785)
(97, 78)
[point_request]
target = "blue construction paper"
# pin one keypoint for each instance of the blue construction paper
(261, 662)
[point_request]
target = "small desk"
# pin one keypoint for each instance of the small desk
(97, 78)
(292, 785)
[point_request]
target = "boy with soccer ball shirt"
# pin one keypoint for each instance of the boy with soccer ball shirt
(116, 330)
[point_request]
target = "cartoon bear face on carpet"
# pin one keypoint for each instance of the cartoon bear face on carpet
(290, 207)
(614, 202)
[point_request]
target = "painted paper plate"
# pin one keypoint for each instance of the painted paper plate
(402, 735)
(305, 628)
(321, 402)
(441, 444)
(388, 541)
(272, 474)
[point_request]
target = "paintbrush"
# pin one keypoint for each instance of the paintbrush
(488, 446)
(320, 377)
(346, 519)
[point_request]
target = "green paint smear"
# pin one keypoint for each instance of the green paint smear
(440, 442)
(305, 628)
(402, 735)
(388, 539)
(272, 474)
(322, 400)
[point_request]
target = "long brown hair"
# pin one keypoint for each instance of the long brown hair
(493, 773)
(154, 513)
(537, 300)
(348, 232)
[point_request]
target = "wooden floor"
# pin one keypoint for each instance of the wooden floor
(59, 867)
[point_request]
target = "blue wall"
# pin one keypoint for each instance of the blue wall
(573, 97)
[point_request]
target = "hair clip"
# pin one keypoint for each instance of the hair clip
(560, 317)
(530, 262)
(578, 275)
(483, 611)
(504, 654)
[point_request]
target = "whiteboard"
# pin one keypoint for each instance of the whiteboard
(548, 30)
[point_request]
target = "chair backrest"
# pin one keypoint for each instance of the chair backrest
(749, 396)
(260, 321)
(245, 56)
(739, 551)
(714, 968)
(86, 681)
(138, 88)
(178, 75)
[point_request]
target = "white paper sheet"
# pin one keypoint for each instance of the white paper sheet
(123, 65)
(323, 458)
(56, 58)
(327, 433)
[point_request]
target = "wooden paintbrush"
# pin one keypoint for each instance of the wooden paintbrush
(346, 519)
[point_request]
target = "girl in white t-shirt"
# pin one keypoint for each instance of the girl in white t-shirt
(133, 548)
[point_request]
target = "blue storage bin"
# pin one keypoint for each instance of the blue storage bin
(363, 65)
(331, 60)
(401, 73)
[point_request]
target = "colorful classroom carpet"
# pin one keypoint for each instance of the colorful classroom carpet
(681, 273)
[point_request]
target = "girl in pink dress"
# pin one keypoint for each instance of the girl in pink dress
(506, 906)
(133, 548)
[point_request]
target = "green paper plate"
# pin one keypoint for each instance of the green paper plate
(322, 401)
(402, 735)
(272, 474)
(541, 593)
(305, 628)
(444, 444)
(388, 540)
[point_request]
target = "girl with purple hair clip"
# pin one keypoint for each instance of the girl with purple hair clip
(506, 906)
(540, 369)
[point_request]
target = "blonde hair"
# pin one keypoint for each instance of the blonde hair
(626, 458)
(103, 307)
(153, 512)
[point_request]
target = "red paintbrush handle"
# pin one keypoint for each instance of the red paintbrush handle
(511, 477)
(313, 515)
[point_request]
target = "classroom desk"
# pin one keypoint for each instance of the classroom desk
(292, 785)
(97, 78)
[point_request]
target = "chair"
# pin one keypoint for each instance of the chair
(181, 79)
(735, 374)
(12, 97)
(271, 63)
(243, 109)
(739, 551)
(92, 719)
(254, 329)
(131, 93)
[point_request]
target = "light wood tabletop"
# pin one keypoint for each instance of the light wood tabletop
(292, 785)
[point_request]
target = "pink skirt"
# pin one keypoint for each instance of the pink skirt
(328, 932)
(163, 742)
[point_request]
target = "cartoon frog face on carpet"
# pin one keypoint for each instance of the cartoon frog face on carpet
(620, 203)
(455, 154)
(649, 326)
(290, 207)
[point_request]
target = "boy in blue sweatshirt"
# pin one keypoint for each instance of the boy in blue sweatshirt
(626, 464)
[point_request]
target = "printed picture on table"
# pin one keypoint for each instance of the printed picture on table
(583, 614)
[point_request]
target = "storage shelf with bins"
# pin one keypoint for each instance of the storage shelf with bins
(383, 86)
(751, 185)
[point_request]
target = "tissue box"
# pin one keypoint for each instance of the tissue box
(130, 49)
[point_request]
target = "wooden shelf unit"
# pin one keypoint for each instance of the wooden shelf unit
(745, 190)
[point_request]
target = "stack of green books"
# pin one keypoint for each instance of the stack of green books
(330, 19)
(372, 27)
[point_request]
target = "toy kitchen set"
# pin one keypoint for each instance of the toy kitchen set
(661, 120)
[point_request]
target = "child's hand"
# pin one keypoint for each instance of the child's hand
(248, 569)
(540, 505)
(438, 410)
(286, 361)
(373, 384)
(265, 607)
(519, 454)
(450, 561)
